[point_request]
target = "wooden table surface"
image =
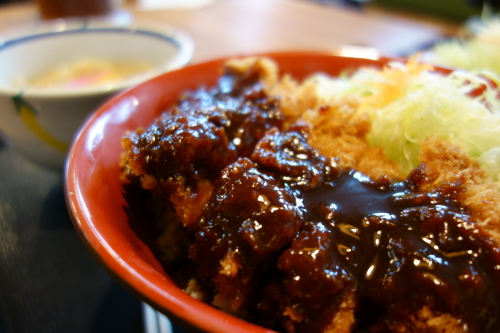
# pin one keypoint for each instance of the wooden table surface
(233, 27)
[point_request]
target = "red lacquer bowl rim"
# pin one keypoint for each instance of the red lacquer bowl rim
(94, 199)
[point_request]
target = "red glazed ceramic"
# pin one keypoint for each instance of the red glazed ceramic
(94, 194)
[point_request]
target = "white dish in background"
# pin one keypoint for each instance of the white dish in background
(41, 122)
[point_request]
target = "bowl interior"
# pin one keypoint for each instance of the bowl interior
(33, 55)
(94, 193)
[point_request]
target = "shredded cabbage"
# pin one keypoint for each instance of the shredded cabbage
(408, 103)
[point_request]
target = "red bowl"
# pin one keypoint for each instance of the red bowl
(95, 196)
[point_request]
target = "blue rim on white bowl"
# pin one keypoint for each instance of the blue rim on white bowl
(127, 27)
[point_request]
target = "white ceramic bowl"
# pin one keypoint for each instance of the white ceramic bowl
(41, 122)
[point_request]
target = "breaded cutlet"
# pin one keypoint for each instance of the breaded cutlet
(338, 132)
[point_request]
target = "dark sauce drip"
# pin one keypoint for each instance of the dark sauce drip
(305, 232)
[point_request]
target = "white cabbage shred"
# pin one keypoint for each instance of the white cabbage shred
(408, 103)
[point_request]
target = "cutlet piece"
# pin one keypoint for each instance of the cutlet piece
(177, 156)
(264, 68)
(295, 99)
(445, 163)
(188, 202)
(344, 319)
(250, 216)
(180, 155)
(314, 270)
(289, 155)
(339, 131)
(427, 321)
(336, 317)
(239, 104)
(317, 277)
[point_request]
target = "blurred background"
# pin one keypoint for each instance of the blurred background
(444, 9)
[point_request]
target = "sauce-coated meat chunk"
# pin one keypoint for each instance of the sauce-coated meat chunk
(250, 215)
(289, 155)
(238, 104)
(187, 146)
(179, 155)
(314, 253)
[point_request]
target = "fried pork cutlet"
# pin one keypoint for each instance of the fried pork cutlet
(295, 222)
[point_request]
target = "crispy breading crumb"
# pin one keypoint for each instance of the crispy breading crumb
(292, 314)
(339, 131)
(344, 320)
(267, 69)
(229, 265)
(444, 162)
(188, 204)
(295, 99)
(195, 290)
(427, 321)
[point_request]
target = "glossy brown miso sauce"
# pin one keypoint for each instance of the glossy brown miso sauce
(397, 248)
(405, 250)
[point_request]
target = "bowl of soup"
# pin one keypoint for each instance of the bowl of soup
(56, 73)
